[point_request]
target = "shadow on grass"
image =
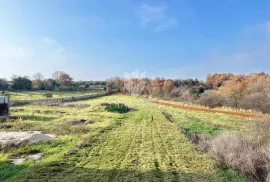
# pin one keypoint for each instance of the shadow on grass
(65, 172)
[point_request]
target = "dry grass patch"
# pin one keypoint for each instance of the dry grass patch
(247, 152)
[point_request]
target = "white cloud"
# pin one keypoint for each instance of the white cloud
(48, 40)
(54, 45)
(156, 16)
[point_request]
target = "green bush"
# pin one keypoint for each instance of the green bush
(119, 108)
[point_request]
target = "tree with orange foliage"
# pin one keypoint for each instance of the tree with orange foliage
(65, 79)
(218, 79)
(157, 87)
(235, 89)
(168, 86)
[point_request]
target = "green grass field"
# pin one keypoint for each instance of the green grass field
(141, 145)
(34, 95)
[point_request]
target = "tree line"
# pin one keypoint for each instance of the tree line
(247, 91)
(251, 91)
(59, 81)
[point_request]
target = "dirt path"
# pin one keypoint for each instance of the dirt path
(190, 108)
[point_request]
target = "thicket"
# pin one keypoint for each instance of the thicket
(246, 152)
(236, 91)
(241, 91)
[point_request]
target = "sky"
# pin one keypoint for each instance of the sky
(98, 39)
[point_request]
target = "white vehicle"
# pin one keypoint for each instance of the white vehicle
(4, 105)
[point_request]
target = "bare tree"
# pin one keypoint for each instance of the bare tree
(56, 75)
(38, 76)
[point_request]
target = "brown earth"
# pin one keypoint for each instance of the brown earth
(190, 108)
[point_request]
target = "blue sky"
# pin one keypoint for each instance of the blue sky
(97, 39)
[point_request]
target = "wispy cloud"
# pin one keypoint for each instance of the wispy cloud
(48, 40)
(54, 44)
(156, 16)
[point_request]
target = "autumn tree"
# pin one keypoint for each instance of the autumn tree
(56, 75)
(235, 89)
(119, 84)
(37, 82)
(111, 83)
(218, 79)
(65, 79)
(50, 84)
(157, 87)
(168, 86)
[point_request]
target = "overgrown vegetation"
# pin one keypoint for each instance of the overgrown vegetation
(245, 149)
(249, 92)
(246, 152)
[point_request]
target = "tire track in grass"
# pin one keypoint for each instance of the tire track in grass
(157, 159)
(83, 149)
(147, 155)
(167, 154)
(141, 147)
(128, 158)
(114, 151)
(197, 167)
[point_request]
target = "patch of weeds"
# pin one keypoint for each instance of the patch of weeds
(200, 128)
(66, 129)
(16, 110)
(8, 170)
(80, 121)
(5, 126)
(116, 107)
(26, 126)
(28, 151)
(226, 174)
(47, 111)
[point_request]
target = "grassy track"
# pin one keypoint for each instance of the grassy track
(35, 95)
(190, 108)
(141, 145)
(215, 119)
